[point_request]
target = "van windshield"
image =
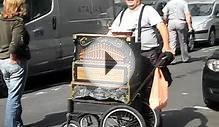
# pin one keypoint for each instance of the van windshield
(199, 9)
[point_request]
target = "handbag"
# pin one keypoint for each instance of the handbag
(159, 91)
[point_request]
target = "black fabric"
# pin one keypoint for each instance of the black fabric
(3, 87)
(167, 57)
(144, 109)
(122, 13)
(167, 75)
(149, 60)
(139, 23)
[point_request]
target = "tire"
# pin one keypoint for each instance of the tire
(122, 116)
(161, 122)
(208, 102)
(191, 44)
(72, 123)
(212, 38)
(89, 120)
(153, 118)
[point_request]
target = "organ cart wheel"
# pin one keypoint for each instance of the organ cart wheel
(89, 120)
(72, 123)
(122, 116)
(153, 118)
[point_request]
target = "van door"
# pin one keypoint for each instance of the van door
(81, 16)
(41, 25)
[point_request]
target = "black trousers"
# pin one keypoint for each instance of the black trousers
(148, 62)
(145, 63)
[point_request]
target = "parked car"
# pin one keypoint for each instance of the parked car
(205, 20)
(210, 79)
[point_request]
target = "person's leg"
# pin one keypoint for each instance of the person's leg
(182, 34)
(150, 59)
(172, 36)
(15, 78)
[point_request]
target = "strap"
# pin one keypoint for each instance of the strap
(122, 13)
(139, 23)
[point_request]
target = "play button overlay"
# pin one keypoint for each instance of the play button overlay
(107, 61)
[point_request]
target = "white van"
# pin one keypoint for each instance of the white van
(51, 24)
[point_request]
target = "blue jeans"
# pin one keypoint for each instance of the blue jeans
(14, 76)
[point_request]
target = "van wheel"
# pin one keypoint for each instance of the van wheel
(211, 38)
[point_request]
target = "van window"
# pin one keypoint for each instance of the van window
(85, 9)
(75, 9)
(216, 11)
(38, 8)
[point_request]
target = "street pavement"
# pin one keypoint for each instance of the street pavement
(47, 107)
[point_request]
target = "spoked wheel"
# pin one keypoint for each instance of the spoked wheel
(152, 117)
(122, 116)
(72, 123)
(89, 120)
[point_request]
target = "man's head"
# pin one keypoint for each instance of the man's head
(132, 4)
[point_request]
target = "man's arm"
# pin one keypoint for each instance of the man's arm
(165, 36)
(188, 16)
(189, 20)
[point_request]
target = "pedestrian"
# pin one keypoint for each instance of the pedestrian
(178, 18)
(14, 55)
(141, 19)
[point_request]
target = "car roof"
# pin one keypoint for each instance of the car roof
(201, 1)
